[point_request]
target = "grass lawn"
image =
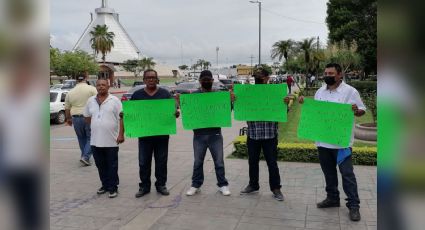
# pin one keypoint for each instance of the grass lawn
(288, 130)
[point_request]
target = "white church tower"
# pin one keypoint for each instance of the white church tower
(124, 48)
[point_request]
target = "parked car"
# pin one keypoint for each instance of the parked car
(187, 87)
(69, 84)
(92, 82)
(136, 83)
(227, 83)
(127, 96)
(57, 105)
(219, 86)
(56, 86)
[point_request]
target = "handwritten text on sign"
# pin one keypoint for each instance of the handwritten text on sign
(260, 102)
(327, 122)
(149, 117)
(205, 110)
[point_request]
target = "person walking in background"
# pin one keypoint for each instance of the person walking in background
(75, 102)
(289, 82)
(331, 156)
(104, 114)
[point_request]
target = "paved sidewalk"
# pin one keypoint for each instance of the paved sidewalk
(74, 203)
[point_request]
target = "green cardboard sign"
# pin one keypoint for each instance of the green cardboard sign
(327, 122)
(206, 110)
(260, 102)
(144, 118)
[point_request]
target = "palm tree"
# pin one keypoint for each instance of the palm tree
(282, 49)
(102, 40)
(183, 67)
(206, 64)
(147, 63)
(306, 46)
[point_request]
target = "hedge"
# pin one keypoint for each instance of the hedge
(305, 152)
(364, 86)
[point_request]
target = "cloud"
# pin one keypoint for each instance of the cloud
(168, 30)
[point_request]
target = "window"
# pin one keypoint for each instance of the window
(53, 96)
(63, 97)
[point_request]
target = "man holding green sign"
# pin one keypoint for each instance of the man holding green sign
(262, 129)
(330, 154)
(205, 112)
(156, 145)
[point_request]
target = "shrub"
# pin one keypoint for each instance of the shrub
(305, 152)
(364, 87)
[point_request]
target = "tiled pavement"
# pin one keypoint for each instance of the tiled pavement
(75, 205)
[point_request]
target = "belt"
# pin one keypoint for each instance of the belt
(78, 115)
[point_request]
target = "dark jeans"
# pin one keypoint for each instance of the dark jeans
(200, 144)
(289, 88)
(269, 148)
(82, 129)
(158, 147)
(328, 164)
(106, 159)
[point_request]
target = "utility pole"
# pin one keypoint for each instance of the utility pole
(216, 50)
(181, 53)
(252, 57)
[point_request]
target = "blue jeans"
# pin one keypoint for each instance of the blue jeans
(328, 164)
(200, 144)
(106, 159)
(158, 147)
(269, 147)
(82, 129)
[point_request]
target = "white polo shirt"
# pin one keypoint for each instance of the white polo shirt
(344, 94)
(104, 120)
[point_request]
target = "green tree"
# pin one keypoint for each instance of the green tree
(355, 22)
(346, 56)
(183, 67)
(102, 40)
(296, 64)
(133, 66)
(73, 63)
(147, 63)
(206, 64)
(306, 46)
(281, 49)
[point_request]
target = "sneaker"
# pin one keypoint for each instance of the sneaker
(225, 191)
(354, 214)
(192, 191)
(142, 192)
(162, 190)
(328, 203)
(85, 162)
(113, 194)
(277, 194)
(101, 191)
(248, 189)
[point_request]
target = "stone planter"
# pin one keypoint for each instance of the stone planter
(366, 132)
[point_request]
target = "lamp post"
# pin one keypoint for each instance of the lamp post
(216, 50)
(259, 30)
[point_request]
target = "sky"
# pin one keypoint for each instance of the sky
(176, 32)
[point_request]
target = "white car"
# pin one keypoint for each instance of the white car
(57, 106)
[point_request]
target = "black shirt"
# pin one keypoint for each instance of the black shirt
(206, 131)
(142, 95)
